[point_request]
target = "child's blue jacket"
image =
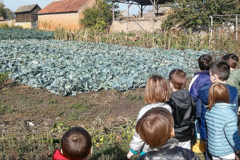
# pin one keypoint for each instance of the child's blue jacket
(202, 102)
(222, 130)
(202, 79)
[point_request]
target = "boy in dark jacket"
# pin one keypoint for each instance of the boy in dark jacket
(201, 78)
(156, 129)
(219, 72)
(183, 108)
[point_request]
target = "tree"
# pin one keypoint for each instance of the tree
(3, 11)
(10, 14)
(195, 13)
(99, 15)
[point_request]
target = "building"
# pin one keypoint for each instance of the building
(63, 13)
(26, 16)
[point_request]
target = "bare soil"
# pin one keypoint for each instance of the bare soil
(25, 111)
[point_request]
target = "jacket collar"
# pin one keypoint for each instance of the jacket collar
(203, 72)
(169, 143)
(224, 105)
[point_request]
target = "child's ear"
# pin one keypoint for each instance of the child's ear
(172, 133)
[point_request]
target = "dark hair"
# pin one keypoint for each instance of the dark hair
(205, 61)
(76, 143)
(231, 59)
(218, 93)
(155, 126)
(222, 69)
(157, 90)
(178, 78)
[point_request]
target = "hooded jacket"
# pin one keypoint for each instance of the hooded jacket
(170, 151)
(203, 102)
(184, 114)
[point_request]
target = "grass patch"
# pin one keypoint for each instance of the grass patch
(110, 139)
(82, 105)
(136, 96)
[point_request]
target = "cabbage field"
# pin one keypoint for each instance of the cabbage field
(68, 68)
(8, 33)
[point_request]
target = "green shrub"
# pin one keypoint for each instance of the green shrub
(195, 13)
(3, 77)
(97, 16)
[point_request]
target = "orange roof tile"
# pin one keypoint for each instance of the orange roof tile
(63, 6)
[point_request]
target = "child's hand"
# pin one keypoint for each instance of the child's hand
(129, 155)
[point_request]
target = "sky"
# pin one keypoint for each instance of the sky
(14, 4)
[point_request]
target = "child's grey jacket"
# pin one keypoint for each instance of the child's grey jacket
(137, 144)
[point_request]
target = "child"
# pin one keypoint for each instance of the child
(156, 129)
(183, 108)
(221, 122)
(156, 95)
(219, 72)
(76, 144)
(234, 77)
(201, 78)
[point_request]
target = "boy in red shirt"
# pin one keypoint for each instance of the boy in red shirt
(76, 144)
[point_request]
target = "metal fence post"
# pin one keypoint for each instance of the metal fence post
(236, 27)
(211, 17)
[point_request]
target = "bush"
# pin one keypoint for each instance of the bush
(97, 16)
(195, 13)
(3, 77)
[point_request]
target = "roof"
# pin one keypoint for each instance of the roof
(63, 6)
(27, 8)
(142, 2)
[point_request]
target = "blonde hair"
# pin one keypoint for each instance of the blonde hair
(218, 93)
(157, 90)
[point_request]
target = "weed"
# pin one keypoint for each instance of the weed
(3, 77)
(60, 127)
(137, 97)
(40, 100)
(82, 106)
(53, 101)
(2, 109)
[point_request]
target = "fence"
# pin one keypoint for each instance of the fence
(229, 19)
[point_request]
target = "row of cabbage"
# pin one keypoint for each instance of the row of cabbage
(68, 68)
(11, 34)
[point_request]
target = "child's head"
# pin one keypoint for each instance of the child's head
(219, 71)
(177, 79)
(231, 59)
(204, 62)
(76, 143)
(218, 93)
(157, 90)
(156, 127)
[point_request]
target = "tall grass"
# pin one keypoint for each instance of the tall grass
(221, 39)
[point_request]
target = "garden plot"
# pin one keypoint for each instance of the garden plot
(68, 68)
(7, 33)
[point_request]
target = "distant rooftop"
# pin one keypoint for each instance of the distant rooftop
(63, 6)
(143, 2)
(27, 8)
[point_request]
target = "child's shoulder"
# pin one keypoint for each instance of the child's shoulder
(235, 72)
(153, 105)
